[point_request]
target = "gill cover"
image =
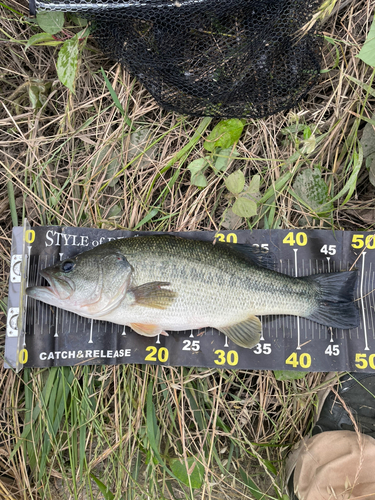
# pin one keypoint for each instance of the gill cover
(112, 279)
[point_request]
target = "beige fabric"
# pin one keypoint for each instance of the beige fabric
(335, 465)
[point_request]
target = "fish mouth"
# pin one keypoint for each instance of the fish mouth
(61, 288)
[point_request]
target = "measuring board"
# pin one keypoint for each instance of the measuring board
(39, 335)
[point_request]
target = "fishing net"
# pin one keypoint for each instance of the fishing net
(224, 58)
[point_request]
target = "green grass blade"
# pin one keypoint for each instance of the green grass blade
(11, 9)
(103, 488)
(152, 430)
(12, 202)
(116, 99)
(255, 491)
(147, 218)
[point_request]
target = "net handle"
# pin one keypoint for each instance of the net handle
(101, 6)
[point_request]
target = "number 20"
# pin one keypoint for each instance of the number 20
(162, 354)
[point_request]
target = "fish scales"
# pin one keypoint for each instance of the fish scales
(214, 282)
(159, 283)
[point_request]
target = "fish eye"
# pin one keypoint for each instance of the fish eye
(67, 266)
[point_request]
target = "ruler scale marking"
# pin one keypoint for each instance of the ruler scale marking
(362, 301)
(298, 325)
(372, 299)
(307, 261)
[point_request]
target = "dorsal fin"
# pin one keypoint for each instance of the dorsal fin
(254, 254)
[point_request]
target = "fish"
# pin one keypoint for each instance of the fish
(160, 283)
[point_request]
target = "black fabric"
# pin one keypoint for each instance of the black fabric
(292, 495)
(224, 58)
(32, 7)
(357, 390)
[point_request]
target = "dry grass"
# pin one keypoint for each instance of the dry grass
(230, 420)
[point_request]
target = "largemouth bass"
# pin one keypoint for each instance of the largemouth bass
(158, 283)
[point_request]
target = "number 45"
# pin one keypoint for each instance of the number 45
(332, 350)
(328, 249)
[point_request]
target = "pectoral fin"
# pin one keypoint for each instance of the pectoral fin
(245, 334)
(147, 330)
(153, 295)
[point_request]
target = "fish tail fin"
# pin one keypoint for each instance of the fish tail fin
(335, 300)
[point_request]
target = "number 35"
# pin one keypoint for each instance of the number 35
(262, 349)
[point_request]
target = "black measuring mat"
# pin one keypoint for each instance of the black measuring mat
(58, 338)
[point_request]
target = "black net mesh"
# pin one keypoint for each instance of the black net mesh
(225, 58)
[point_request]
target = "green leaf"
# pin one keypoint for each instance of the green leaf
(197, 168)
(368, 146)
(108, 158)
(309, 145)
(368, 139)
(192, 475)
(231, 220)
(235, 182)
(67, 62)
(38, 91)
(99, 157)
(199, 180)
(197, 165)
(107, 494)
(39, 38)
(294, 129)
(142, 145)
(246, 204)
(367, 52)
(288, 374)
(115, 211)
(224, 135)
(34, 97)
(78, 21)
(255, 491)
(254, 186)
(223, 158)
(113, 168)
(307, 133)
(50, 22)
(370, 165)
(312, 190)
(243, 207)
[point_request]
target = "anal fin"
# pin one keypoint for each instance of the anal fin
(147, 330)
(245, 334)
